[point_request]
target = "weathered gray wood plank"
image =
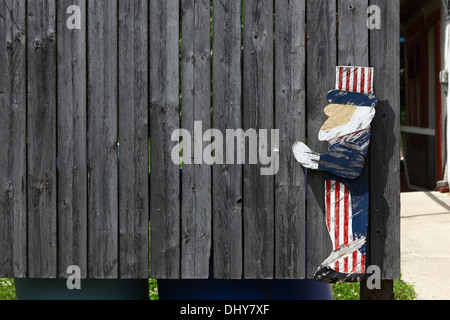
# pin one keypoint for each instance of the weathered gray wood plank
(103, 134)
(290, 115)
(227, 179)
(196, 106)
(41, 119)
(385, 143)
(321, 75)
(386, 292)
(72, 129)
(164, 119)
(353, 39)
(258, 114)
(133, 133)
(13, 183)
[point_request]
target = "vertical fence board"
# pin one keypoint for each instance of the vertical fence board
(196, 106)
(227, 179)
(353, 34)
(290, 114)
(353, 40)
(103, 133)
(385, 145)
(72, 159)
(13, 209)
(42, 237)
(321, 74)
(133, 133)
(164, 117)
(258, 114)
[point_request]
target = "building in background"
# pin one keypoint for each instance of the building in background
(425, 96)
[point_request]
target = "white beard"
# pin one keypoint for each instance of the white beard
(361, 120)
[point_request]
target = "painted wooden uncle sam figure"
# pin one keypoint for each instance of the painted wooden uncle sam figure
(347, 130)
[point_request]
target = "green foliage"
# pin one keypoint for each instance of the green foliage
(346, 291)
(152, 283)
(153, 289)
(404, 291)
(350, 291)
(7, 289)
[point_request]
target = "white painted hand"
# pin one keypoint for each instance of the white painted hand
(307, 158)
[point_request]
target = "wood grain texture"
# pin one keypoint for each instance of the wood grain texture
(164, 119)
(227, 179)
(196, 106)
(103, 134)
(41, 119)
(290, 115)
(133, 135)
(13, 181)
(385, 145)
(258, 114)
(353, 42)
(120, 74)
(386, 292)
(72, 130)
(227, 95)
(321, 66)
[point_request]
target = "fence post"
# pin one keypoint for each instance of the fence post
(384, 225)
(386, 292)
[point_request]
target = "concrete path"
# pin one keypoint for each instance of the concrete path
(425, 243)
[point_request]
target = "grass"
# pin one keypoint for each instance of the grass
(350, 291)
(7, 289)
(153, 289)
(404, 291)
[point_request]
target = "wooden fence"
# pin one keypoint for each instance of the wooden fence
(134, 73)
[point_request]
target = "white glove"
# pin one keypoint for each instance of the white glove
(307, 158)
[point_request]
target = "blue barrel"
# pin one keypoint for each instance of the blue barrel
(243, 290)
(91, 289)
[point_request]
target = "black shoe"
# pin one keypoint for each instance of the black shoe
(328, 275)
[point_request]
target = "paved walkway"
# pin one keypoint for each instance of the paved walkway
(425, 243)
